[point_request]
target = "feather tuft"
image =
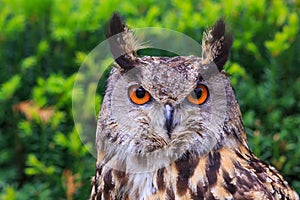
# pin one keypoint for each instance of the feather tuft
(123, 42)
(216, 44)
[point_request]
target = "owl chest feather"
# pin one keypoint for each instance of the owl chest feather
(222, 174)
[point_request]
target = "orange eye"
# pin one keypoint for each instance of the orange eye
(138, 95)
(199, 95)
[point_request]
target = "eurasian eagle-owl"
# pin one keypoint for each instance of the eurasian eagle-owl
(171, 128)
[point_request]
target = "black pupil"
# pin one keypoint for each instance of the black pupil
(197, 93)
(140, 92)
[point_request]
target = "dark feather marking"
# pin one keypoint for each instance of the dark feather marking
(248, 182)
(262, 166)
(96, 181)
(239, 154)
(228, 185)
(200, 79)
(126, 196)
(120, 174)
(122, 177)
(262, 177)
(200, 193)
(255, 164)
(185, 166)
(214, 163)
(170, 194)
(108, 184)
(229, 130)
(260, 171)
(160, 180)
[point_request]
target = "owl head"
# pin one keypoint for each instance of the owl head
(158, 109)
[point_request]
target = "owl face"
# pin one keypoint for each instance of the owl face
(166, 106)
(159, 107)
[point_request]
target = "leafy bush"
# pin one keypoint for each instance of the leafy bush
(43, 43)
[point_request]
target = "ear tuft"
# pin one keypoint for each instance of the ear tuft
(216, 44)
(123, 43)
(116, 26)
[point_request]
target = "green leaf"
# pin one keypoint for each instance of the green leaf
(8, 193)
(8, 89)
(29, 63)
(36, 167)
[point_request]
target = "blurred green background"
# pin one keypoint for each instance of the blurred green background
(44, 42)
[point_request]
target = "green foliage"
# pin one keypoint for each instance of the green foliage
(35, 167)
(9, 88)
(43, 43)
(8, 193)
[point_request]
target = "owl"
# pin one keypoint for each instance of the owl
(171, 127)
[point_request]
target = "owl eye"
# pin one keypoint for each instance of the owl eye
(138, 95)
(199, 95)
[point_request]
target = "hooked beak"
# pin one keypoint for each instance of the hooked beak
(169, 111)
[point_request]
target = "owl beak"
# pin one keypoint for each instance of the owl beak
(169, 111)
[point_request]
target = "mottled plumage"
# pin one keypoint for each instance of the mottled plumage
(179, 134)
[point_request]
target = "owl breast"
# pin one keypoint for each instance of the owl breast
(223, 174)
